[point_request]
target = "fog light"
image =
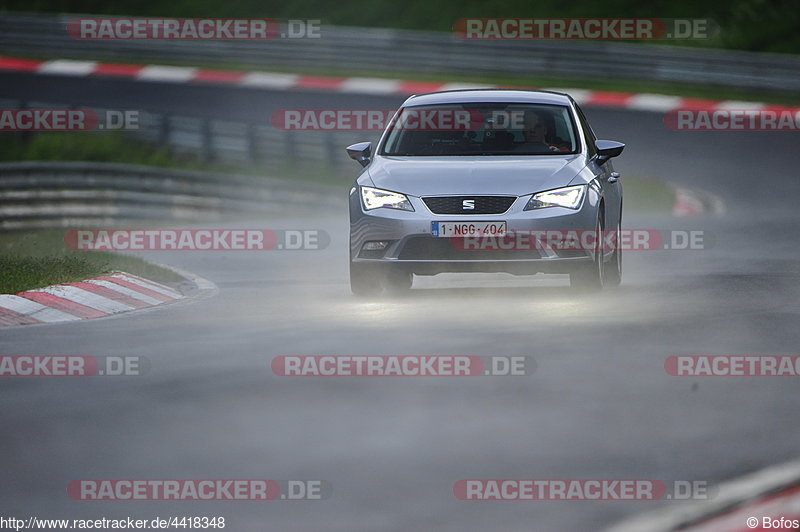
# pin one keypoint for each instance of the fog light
(375, 245)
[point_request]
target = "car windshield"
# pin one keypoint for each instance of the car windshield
(482, 129)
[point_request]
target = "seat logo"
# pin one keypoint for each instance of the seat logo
(468, 205)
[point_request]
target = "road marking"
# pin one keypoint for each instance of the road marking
(86, 298)
(744, 493)
(738, 105)
(62, 304)
(109, 294)
(10, 317)
(34, 310)
(268, 80)
(654, 102)
(133, 294)
(160, 288)
(462, 85)
(138, 288)
(67, 67)
(370, 86)
(166, 73)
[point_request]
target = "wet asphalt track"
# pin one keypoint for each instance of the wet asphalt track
(599, 405)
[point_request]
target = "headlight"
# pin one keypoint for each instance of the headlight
(373, 198)
(569, 197)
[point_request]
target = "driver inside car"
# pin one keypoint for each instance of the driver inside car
(534, 129)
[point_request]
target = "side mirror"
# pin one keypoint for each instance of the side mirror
(606, 149)
(360, 152)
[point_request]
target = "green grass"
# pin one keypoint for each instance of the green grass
(647, 196)
(90, 147)
(36, 259)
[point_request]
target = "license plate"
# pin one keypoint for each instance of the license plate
(464, 229)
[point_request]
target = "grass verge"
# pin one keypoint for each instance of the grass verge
(30, 260)
(647, 196)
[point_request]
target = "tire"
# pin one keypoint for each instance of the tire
(590, 277)
(365, 280)
(613, 270)
(398, 281)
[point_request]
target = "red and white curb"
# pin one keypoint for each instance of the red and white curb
(355, 85)
(740, 505)
(690, 202)
(93, 298)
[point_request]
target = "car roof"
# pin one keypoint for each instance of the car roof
(489, 95)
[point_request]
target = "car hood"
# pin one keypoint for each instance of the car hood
(424, 176)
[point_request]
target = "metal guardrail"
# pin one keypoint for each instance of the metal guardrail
(240, 144)
(379, 50)
(43, 194)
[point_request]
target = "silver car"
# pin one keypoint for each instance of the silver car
(485, 181)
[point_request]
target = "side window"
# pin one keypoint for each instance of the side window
(587, 133)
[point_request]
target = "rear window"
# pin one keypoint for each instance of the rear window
(481, 129)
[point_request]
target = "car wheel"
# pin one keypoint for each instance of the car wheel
(364, 280)
(590, 277)
(613, 270)
(398, 281)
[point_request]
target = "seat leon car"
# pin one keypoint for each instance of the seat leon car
(485, 181)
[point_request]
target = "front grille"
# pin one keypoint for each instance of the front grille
(455, 204)
(432, 248)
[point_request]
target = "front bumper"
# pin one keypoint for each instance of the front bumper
(412, 248)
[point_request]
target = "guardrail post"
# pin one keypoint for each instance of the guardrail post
(164, 130)
(330, 151)
(252, 144)
(24, 136)
(291, 148)
(205, 140)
